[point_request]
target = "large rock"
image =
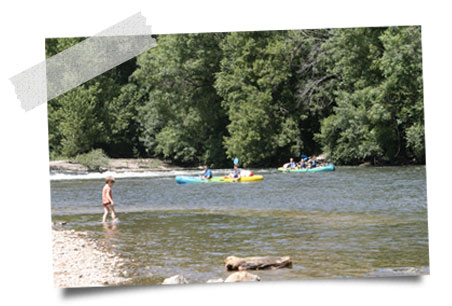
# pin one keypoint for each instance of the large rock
(175, 280)
(234, 263)
(242, 276)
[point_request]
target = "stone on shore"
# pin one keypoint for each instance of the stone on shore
(217, 280)
(242, 276)
(234, 263)
(59, 223)
(400, 271)
(175, 280)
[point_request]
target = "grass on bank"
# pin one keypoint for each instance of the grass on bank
(95, 160)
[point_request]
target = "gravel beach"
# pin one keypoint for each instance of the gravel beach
(120, 165)
(78, 261)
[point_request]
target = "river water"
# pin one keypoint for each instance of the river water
(353, 222)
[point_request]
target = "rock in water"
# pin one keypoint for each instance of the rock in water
(234, 263)
(242, 276)
(175, 280)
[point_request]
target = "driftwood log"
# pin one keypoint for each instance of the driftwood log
(234, 263)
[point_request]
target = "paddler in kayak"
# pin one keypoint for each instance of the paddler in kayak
(207, 174)
(236, 175)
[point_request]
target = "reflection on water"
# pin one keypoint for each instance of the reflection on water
(346, 223)
(111, 232)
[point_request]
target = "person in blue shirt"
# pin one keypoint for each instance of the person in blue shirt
(207, 174)
(302, 163)
(291, 164)
(312, 162)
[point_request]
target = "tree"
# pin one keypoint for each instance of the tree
(402, 89)
(257, 83)
(260, 96)
(81, 128)
(182, 119)
(87, 117)
(379, 112)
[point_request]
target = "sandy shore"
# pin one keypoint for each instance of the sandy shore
(79, 261)
(119, 165)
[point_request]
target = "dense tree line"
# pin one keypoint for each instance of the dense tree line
(262, 97)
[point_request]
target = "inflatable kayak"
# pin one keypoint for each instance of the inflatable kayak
(329, 167)
(217, 179)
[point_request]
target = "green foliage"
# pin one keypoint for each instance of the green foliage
(263, 97)
(95, 160)
(402, 88)
(82, 125)
(124, 116)
(380, 96)
(92, 115)
(182, 119)
(56, 45)
(416, 141)
(256, 84)
(349, 135)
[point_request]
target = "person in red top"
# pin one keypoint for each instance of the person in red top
(107, 199)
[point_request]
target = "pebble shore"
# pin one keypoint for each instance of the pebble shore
(119, 165)
(79, 261)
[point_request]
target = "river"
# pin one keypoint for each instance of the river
(353, 222)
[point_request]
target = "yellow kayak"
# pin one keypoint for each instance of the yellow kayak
(253, 178)
(218, 179)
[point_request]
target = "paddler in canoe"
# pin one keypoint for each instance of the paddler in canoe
(312, 162)
(290, 165)
(317, 162)
(302, 164)
(305, 162)
(309, 164)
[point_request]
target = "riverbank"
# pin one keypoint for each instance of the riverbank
(138, 165)
(79, 261)
(119, 165)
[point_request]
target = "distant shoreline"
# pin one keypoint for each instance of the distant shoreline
(139, 165)
(120, 165)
